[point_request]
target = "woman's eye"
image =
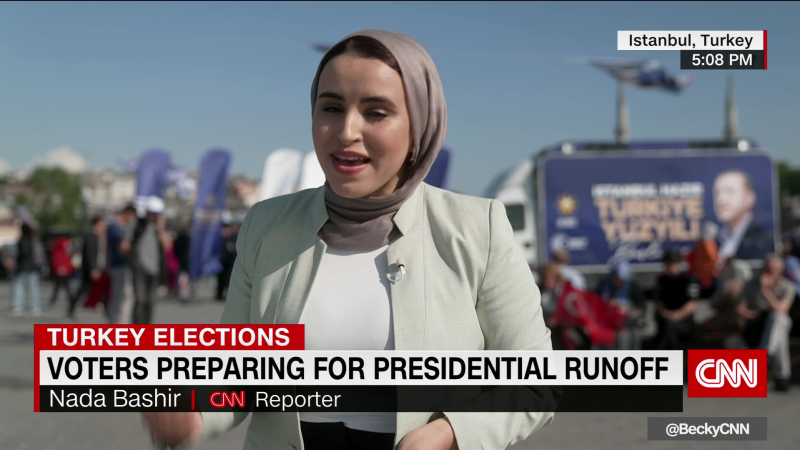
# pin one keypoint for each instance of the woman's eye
(331, 109)
(377, 114)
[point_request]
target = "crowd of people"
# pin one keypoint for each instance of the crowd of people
(118, 265)
(751, 308)
(126, 256)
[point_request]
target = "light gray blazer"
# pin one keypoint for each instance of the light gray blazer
(467, 287)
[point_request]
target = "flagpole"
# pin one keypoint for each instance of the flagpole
(622, 130)
(731, 119)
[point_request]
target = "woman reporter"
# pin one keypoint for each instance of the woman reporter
(321, 257)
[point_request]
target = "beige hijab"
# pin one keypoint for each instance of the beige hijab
(366, 223)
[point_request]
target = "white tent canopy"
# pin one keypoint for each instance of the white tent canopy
(281, 173)
(312, 175)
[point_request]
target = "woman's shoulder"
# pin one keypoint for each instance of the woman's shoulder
(460, 212)
(285, 209)
(453, 202)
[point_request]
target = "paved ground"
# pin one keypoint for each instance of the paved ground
(21, 429)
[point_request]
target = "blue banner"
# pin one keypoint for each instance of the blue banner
(206, 239)
(605, 208)
(151, 173)
(440, 171)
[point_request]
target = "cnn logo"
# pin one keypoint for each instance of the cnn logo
(222, 399)
(727, 373)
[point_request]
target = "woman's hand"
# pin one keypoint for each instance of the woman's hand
(437, 435)
(174, 428)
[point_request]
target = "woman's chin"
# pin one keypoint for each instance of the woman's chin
(351, 189)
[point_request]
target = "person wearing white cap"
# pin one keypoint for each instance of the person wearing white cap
(145, 240)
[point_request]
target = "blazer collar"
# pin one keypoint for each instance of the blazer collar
(408, 294)
(409, 216)
(318, 214)
(407, 219)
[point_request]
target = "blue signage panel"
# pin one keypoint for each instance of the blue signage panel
(605, 208)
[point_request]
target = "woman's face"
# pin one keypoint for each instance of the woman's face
(361, 126)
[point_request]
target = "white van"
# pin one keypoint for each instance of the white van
(514, 188)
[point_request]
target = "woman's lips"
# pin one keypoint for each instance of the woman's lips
(349, 165)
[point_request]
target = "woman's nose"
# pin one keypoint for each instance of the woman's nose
(350, 131)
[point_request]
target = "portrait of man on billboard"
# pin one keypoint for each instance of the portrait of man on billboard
(741, 235)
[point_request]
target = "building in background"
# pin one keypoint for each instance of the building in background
(107, 190)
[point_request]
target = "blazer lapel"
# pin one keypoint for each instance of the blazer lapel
(303, 270)
(408, 293)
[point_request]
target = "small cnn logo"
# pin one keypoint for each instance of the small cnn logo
(727, 373)
(222, 399)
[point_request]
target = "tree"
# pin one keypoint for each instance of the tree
(789, 179)
(54, 197)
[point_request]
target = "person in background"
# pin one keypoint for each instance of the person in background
(226, 258)
(552, 285)
(579, 319)
(733, 276)
(618, 289)
(552, 282)
(30, 259)
(120, 305)
(61, 268)
(734, 270)
(94, 262)
(575, 278)
(704, 261)
(182, 242)
(765, 305)
(795, 239)
(145, 241)
(620, 292)
(792, 263)
(792, 273)
(7, 262)
(173, 266)
(675, 295)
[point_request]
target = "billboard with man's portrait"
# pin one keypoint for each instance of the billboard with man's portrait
(603, 208)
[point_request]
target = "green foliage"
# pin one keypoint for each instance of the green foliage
(789, 178)
(54, 199)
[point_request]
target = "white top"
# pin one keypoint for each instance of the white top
(350, 308)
